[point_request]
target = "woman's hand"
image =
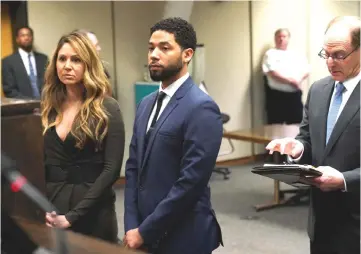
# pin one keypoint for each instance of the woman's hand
(58, 221)
(50, 219)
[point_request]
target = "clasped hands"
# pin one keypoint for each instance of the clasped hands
(133, 239)
(331, 178)
(295, 83)
(56, 221)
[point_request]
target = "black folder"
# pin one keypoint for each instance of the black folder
(293, 174)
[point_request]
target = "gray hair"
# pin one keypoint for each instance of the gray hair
(283, 30)
(83, 31)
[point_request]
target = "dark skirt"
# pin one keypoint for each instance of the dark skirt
(100, 221)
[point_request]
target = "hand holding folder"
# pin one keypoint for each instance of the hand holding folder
(293, 174)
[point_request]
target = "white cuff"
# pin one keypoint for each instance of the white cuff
(41, 250)
(344, 181)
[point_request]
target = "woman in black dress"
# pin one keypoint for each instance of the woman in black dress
(83, 140)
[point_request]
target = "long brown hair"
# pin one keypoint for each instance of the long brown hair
(92, 119)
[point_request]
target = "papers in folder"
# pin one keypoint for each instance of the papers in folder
(293, 174)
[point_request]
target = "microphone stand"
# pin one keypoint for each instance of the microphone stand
(19, 183)
(60, 236)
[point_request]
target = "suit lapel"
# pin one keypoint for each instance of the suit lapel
(144, 124)
(173, 103)
(351, 108)
(168, 109)
(323, 109)
(21, 65)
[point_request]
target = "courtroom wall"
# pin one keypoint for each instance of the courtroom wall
(224, 30)
(132, 23)
(307, 20)
(51, 20)
(236, 34)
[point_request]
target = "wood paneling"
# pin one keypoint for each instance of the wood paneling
(6, 31)
(6, 36)
(22, 140)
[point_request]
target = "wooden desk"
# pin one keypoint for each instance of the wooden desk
(77, 243)
(264, 135)
(22, 140)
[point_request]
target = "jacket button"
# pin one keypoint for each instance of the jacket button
(141, 187)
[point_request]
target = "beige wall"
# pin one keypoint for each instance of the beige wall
(267, 17)
(307, 23)
(132, 23)
(63, 17)
(224, 30)
(223, 27)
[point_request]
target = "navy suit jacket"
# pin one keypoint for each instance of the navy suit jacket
(167, 194)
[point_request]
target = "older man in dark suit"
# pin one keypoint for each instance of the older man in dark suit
(23, 71)
(330, 139)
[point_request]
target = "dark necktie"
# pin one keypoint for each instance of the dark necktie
(335, 107)
(160, 98)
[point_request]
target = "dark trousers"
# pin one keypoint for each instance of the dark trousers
(316, 248)
(283, 107)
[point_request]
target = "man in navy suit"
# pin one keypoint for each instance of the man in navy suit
(23, 71)
(176, 139)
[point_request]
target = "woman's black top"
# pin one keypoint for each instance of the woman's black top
(79, 181)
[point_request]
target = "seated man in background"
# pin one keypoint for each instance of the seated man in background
(23, 71)
(285, 71)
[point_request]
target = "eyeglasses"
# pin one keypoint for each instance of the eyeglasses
(338, 56)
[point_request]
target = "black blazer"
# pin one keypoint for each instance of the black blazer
(79, 181)
(15, 79)
(334, 216)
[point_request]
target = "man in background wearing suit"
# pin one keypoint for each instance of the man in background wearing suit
(176, 139)
(23, 71)
(329, 138)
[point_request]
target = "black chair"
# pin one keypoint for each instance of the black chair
(225, 118)
(223, 170)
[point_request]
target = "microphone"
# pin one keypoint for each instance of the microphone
(19, 183)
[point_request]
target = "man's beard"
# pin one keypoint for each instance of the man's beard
(27, 48)
(166, 73)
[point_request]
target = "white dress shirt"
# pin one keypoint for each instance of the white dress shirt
(169, 91)
(350, 85)
(25, 57)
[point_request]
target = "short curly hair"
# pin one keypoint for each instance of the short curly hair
(24, 27)
(182, 30)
